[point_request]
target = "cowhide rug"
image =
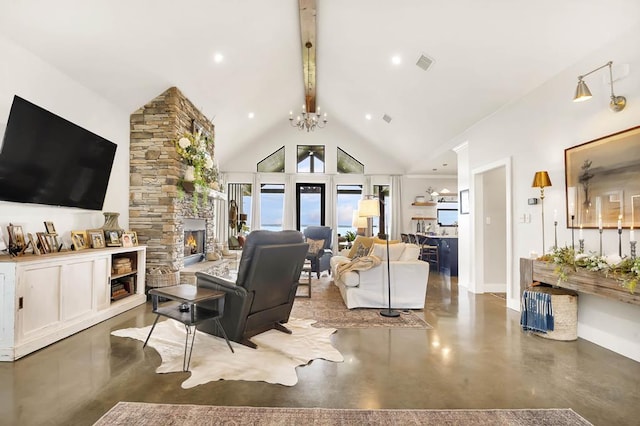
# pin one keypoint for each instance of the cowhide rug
(274, 361)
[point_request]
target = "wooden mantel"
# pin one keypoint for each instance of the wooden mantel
(582, 281)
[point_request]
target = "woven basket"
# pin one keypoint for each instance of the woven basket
(565, 313)
(162, 277)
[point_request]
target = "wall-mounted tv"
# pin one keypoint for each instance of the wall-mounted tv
(45, 159)
(447, 217)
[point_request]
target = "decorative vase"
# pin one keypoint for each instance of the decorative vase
(190, 174)
(111, 222)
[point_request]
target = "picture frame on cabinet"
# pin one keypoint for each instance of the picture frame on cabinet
(3, 244)
(50, 228)
(34, 244)
(134, 237)
(79, 240)
(96, 238)
(112, 239)
(127, 239)
(43, 241)
(16, 236)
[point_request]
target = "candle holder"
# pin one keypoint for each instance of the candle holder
(573, 245)
(619, 242)
(555, 235)
(581, 243)
(633, 249)
(600, 230)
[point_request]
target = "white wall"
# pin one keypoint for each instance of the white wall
(27, 76)
(494, 223)
(333, 136)
(534, 131)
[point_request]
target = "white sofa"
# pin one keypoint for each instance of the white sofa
(369, 288)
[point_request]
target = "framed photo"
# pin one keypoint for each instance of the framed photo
(43, 241)
(127, 239)
(603, 181)
(16, 236)
(50, 228)
(34, 244)
(3, 244)
(134, 237)
(464, 201)
(79, 240)
(111, 238)
(96, 238)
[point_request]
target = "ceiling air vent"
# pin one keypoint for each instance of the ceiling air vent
(424, 62)
(387, 118)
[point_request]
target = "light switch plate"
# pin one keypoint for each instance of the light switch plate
(532, 201)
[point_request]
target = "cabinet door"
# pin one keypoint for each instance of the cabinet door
(39, 288)
(101, 284)
(77, 289)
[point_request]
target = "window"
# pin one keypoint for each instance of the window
(310, 204)
(241, 193)
(310, 159)
(274, 163)
(348, 164)
(271, 206)
(346, 203)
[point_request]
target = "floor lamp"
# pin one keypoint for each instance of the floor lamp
(540, 180)
(370, 207)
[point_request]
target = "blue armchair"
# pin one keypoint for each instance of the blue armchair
(320, 260)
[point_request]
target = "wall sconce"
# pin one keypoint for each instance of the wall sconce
(583, 93)
(540, 180)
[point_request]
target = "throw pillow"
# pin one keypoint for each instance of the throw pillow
(315, 245)
(361, 251)
(360, 240)
(411, 252)
(395, 251)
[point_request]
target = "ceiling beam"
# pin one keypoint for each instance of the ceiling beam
(308, 44)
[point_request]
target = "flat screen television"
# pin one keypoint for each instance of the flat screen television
(447, 217)
(45, 159)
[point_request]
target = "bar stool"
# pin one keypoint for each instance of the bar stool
(429, 253)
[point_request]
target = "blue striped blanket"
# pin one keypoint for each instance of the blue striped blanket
(536, 312)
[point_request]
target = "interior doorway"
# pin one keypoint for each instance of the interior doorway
(310, 205)
(492, 224)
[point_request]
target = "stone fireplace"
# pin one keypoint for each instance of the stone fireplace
(194, 241)
(159, 212)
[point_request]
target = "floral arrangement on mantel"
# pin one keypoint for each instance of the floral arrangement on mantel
(624, 269)
(202, 172)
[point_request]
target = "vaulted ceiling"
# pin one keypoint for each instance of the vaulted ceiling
(486, 54)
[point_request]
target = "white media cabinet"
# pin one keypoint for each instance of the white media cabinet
(46, 298)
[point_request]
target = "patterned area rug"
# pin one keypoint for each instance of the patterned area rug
(328, 309)
(274, 361)
(129, 413)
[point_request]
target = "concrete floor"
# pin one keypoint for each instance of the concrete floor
(476, 356)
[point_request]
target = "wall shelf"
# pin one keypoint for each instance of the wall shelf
(425, 204)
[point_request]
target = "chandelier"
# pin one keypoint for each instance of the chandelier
(308, 120)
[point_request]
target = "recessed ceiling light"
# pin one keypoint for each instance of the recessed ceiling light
(396, 60)
(435, 170)
(368, 116)
(218, 58)
(251, 115)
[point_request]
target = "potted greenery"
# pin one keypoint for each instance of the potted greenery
(201, 174)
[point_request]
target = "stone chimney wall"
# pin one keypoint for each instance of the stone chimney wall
(157, 208)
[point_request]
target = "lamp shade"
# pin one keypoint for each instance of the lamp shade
(582, 92)
(541, 180)
(357, 221)
(369, 207)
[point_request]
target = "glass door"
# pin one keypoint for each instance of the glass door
(310, 203)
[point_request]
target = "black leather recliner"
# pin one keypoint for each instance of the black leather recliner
(263, 294)
(320, 261)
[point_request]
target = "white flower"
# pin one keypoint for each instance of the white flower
(184, 143)
(208, 162)
(612, 259)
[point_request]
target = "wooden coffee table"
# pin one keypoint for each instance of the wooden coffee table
(183, 306)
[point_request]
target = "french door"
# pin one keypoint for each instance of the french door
(310, 205)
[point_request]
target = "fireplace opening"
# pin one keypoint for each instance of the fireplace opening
(194, 241)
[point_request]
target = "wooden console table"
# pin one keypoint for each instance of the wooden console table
(582, 280)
